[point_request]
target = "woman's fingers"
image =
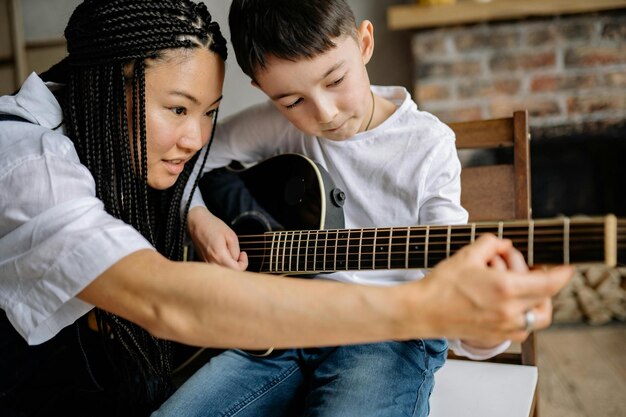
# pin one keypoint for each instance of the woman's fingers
(542, 283)
(485, 248)
(541, 318)
(242, 262)
(515, 260)
(488, 289)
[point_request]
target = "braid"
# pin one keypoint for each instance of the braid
(108, 43)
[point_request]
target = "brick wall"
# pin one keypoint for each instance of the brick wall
(568, 71)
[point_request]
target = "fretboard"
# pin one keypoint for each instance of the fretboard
(546, 241)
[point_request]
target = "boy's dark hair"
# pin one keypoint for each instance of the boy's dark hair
(286, 29)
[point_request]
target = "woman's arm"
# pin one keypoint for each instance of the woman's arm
(208, 305)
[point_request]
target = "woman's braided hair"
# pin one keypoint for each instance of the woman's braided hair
(108, 42)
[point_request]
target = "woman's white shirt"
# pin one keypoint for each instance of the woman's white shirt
(55, 235)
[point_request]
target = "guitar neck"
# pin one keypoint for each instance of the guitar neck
(547, 241)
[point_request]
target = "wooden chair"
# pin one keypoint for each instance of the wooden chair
(499, 189)
(495, 185)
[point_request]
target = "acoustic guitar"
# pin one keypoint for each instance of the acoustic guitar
(288, 216)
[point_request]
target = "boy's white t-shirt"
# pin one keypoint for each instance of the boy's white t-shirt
(404, 172)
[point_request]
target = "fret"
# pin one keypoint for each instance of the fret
(426, 237)
(298, 250)
(473, 237)
(306, 250)
(448, 237)
(368, 237)
(381, 252)
(398, 247)
(323, 241)
(341, 253)
(415, 251)
(460, 238)
(374, 245)
(406, 251)
(500, 230)
(531, 243)
(360, 243)
(293, 236)
(284, 251)
(389, 249)
(282, 243)
(566, 240)
(317, 235)
(274, 235)
(277, 265)
(438, 242)
(334, 254)
(348, 246)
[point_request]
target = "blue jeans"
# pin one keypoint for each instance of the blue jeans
(379, 380)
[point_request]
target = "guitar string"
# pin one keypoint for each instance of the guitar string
(513, 229)
(415, 259)
(540, 237)
(433, 248)
(401, 256)
(420, 238)
(552, 253)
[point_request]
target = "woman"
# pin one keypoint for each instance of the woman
(94, 157)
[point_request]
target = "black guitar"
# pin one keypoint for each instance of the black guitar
(288, 217)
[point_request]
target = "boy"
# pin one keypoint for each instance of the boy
(399, 167)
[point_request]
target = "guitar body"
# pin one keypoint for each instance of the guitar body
(285, 192)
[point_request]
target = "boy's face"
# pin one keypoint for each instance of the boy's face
(328, 95)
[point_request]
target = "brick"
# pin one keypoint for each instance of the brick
(431, 92)
(537, 107)
(448, 69)
(424, 45)
(615, 79)
(542, 36)
(615, 31)
(483, 88)
(591, 56)
(524, 61)
(578, 31)
(465, 41)
(560, 82)
(596, 103)
(458, 114)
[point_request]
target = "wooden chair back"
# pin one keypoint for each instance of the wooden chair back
(495, 184)
(500, 190)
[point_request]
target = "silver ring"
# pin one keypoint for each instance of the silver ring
(529, 321)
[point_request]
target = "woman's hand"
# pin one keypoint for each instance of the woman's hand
(510, 260)
(482, 293)
(214, 240)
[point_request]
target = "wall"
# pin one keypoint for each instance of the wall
(47, 19)
(568, 71)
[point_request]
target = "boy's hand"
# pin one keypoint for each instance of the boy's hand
(214, 240)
